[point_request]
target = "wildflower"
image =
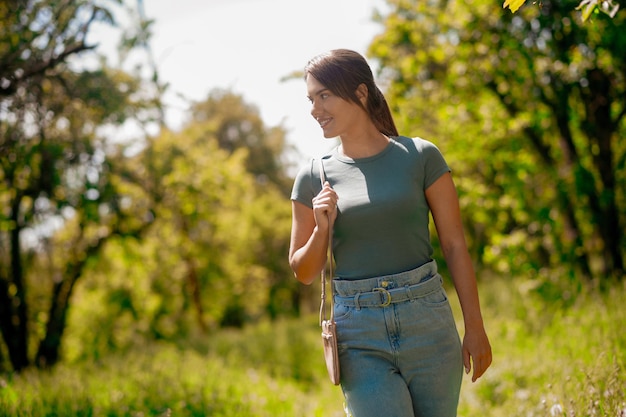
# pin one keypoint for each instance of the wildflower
(556, 410)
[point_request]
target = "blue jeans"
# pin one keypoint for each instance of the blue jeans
(399, 349)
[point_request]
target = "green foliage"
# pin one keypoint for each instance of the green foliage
(57, 172)
(588, 7)
(550, 359)
(237, 125)
(559, 358)
(283, 349)
(268, 370)
(528, 109)
(187, 230)
(214, 254)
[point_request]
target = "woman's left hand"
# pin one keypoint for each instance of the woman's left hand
(476, 351)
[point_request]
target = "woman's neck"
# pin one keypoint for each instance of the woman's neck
(363, 146)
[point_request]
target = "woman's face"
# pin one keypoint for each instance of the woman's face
(335, 115)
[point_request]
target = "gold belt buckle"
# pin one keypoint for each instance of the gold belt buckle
(387, 296)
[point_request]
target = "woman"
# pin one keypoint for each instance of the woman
(400, 353)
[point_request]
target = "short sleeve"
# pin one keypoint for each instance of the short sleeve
(306, 184)
(435, 164)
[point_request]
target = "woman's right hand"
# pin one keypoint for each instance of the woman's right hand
(309, 234)
(325, 207)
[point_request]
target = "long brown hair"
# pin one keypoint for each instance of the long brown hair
(342, 71)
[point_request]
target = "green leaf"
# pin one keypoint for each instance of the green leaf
(514, 5)
(588, 10)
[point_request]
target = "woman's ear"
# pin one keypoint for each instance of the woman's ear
(361, 93)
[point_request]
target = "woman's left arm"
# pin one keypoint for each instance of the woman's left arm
(444, 204)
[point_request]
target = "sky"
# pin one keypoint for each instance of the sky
(247, 46)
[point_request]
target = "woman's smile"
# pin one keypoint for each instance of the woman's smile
(323, 122)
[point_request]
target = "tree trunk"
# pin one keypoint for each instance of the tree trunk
(48, 352)
(600, 129)
(49, 347)
(571, 165)
(13, 308)
(14, 339)
(194, 287)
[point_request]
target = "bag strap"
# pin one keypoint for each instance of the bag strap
(330, 264)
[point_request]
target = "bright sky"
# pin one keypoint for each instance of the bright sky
(246, 46)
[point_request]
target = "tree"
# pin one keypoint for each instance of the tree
(239, 126)
(214, 255)
(57, 171)
(529, 108)
(226, 226)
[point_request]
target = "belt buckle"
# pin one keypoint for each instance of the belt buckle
(387, 296)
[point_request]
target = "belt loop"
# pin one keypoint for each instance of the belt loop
(356, 301)
(409, 295)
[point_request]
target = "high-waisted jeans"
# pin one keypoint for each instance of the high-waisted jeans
(399, 349)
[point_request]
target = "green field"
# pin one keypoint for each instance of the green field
(562, 357)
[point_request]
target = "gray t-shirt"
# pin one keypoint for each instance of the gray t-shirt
(382, 221)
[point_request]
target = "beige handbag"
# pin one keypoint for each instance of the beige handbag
(329, 328)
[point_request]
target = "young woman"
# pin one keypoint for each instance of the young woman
(399, 349)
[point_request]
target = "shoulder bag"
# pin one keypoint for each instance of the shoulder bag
(329, 328)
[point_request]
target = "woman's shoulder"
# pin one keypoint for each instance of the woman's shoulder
(306, 169)
(416, 144)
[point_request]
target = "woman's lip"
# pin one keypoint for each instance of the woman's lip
(324, 122)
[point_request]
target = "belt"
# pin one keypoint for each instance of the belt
(384, 291)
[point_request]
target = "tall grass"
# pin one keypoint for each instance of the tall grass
(556, 356)
(562, 358)
(265, 370)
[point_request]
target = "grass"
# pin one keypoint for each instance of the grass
(557, 358)
(265, 370)
(562, 358)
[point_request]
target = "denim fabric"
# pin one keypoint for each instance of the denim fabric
(399, 349)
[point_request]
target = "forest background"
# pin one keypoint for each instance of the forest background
(149, 277)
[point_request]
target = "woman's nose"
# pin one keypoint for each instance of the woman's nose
(314, 110)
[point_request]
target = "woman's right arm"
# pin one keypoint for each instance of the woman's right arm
(309, 234)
